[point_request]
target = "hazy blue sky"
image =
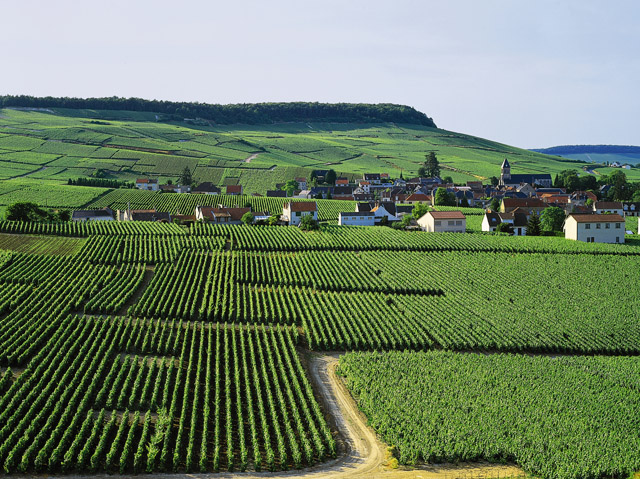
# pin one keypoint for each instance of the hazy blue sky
(527, 73)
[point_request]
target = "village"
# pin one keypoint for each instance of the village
(515, 205)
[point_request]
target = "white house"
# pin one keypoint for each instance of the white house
(302, 183)
(443, 222)
(104, 214)
(611, 207)
(357, 218)
(608, 228)
(293, 211)
(384, 210)
(517, 220)
(148, 184)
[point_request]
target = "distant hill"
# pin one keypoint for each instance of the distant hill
(596, 153)
(248, 113)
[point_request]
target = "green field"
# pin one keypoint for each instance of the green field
(558, 418)
(151, 347)
(53, 147)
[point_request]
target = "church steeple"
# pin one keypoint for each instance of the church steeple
(505, 172)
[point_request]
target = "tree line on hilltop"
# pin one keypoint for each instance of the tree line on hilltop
(251, 113)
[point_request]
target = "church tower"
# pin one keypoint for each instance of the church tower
(505, 172)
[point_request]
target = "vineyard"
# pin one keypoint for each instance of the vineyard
(558, 418)
(145, 347)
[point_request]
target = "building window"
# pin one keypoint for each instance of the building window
(297, 213)
(587, 226)
(617, 239)
(459, 223)
(597, 226)
(437, 223)
(618, 225)
(451, 223)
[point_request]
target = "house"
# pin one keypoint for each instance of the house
(365, 186)
(234, 190)
(321, 191)
(148, 184)
(221, 214)
(175, 189)
(261, 215)
(276, 194)
(304, 194)
(302, 182)
(363, 196)
(384, 210)
(293, 211)
(443, 222)
(184, 219)
(527, 204)
(631, 209)
(145, 215)
(507, 179)
(105, 214)
(372, 178)
(517, 220)
(206, 188)
(595, 228)
(418, 198)
(356, 218)
(612, 207)
(342, 181)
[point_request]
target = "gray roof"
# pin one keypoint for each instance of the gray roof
(356, 213)
(77, 214)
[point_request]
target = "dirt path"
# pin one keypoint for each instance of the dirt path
(252, 157)
(362, 456)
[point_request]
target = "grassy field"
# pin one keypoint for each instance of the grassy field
(53, 147)
(56, 245)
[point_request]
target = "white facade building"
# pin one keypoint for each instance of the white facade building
(607, 228)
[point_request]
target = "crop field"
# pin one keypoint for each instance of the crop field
(129, 145)
(558, 418)
(54, 245)
(149, 347)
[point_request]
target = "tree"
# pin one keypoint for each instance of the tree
(63, 215)
(588, 182)
(422, 172)
(248, 218)
(495, 204)
(419, 210)
(185, 177)
(568, 179)
(504, 228)
(551, 220)
(273, 220)
(636, 197)
(447, 180)
(464, 202)
(25, 211)
(330, 177)
(533, 225)
(495, 181)
(432, 165)
(384, 221)
(307, 223)
(444, 198)
(290, 186)
(589, 202)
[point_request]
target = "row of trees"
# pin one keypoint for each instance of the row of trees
(31, 212)
(239, 113)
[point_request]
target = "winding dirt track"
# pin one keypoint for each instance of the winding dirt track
(362, 455)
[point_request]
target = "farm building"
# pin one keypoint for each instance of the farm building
(148, 184)
(206, 188)
(443, 222)
(528, 205)
(293, 212)
(611, 207)
(356, 218)
(104, 214)
(144, 215)
(594, 228)
(221, 214)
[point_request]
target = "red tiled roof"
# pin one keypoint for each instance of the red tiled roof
(303, 206)
(608, 205)
(234, 188)
(598, 218)
(146, 180)
(447, 215)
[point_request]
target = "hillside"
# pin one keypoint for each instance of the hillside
(52, 145)
(596, 153)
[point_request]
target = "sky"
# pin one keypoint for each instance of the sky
(527, 73)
